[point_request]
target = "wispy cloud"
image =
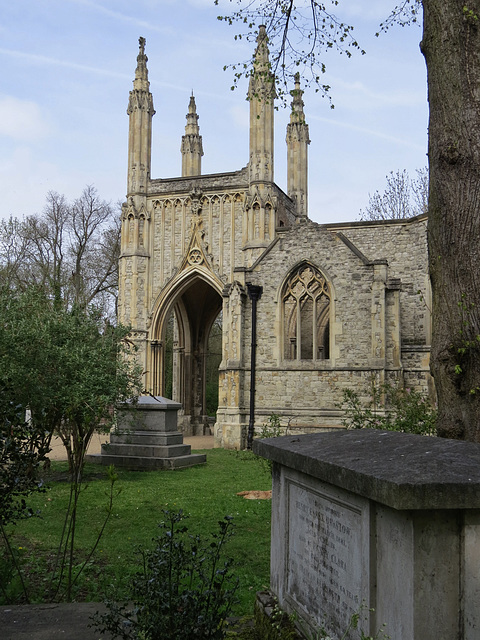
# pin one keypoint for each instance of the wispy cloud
(367, 99)
(122, 16)
(60, 62)
(48, 61)
(21, 119)
(370, 132)
(227, 43)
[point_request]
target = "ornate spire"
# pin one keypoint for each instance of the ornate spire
(262, 53)
(141, 97)
(140, 109)
(192, 127)
(297, 151)
(141, 72)
(192, 148)
(297, 114)
(262, 81)
(261, 94)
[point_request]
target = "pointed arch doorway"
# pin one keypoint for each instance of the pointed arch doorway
(186, 352)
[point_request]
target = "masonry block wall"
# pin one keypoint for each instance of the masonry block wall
(379, 322)
(339, 303)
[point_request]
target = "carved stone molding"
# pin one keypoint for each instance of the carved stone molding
(195, 256)
(129, 209)
(196, 201)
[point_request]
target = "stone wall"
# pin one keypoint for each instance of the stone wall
(404, 245)
(386, 265)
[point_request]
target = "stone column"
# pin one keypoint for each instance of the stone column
(232, 414)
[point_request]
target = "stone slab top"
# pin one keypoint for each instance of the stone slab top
(400, 470)
(147, 403)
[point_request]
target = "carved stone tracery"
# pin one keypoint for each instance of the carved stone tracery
(195, 256)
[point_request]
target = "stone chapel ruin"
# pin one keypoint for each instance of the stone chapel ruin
(334, 303)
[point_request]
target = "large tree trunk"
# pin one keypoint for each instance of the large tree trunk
(451, 46)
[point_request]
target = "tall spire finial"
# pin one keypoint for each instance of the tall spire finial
(141, 72)
(140, 110)
(261, 94)
(261, 53)
(297, 114)
(262, 80)
(191, 148)
(297, 152)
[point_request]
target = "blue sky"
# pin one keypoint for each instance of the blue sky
(68, 65)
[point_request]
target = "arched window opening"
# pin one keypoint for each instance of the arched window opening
(168, 356)
(186, 356)
(306, 310)
(213, 359)
(141, 227)
(131, 228)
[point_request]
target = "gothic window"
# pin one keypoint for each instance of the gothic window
(141, 226)
(306, 311)
(268, 214)
(256, 220)
(131, 228)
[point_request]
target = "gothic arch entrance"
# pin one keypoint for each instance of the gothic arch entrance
(180, 350)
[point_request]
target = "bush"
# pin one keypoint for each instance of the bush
(389, 407)
(185, 589)
(22, 450)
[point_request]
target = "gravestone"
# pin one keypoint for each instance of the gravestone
(146, 437)
(377, 520)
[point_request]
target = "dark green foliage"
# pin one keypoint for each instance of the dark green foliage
(70, 369)
(390, 407)
(22, 449)
(185, 588)
(271, 622)
(65, 364)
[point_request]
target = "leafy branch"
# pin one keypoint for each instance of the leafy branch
(298, 37)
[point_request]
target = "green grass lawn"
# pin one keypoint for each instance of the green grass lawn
(206, 492)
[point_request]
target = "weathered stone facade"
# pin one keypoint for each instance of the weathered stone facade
(337, 302)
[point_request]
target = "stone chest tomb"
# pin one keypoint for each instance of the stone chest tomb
(386, 520)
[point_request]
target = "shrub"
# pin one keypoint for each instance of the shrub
(22, 450)
(185, 589)
(390, 407)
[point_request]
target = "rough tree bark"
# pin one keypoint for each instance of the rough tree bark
(451, 46)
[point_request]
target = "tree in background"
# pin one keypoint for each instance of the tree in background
(451, 48)
(67, 365)
(22, 450)
(402, 198)
(70, 369)
(71, 251)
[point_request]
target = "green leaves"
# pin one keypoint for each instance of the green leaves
(185, 588)
(65, 364)
(22, 450)
(390, 407)
(299, 35)
(70, 369)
